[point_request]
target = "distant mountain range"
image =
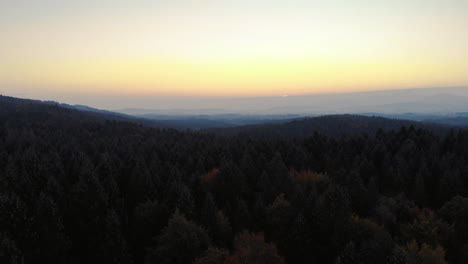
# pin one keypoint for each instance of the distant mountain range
(282, 124)
(258, 126)
(331, 125)
(427, 101)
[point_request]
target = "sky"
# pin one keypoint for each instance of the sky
(229, 48)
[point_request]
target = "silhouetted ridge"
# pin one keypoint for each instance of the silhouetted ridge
(25, 109)
(332, 125)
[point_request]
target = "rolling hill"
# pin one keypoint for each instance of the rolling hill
(332, 125)
(257, 126)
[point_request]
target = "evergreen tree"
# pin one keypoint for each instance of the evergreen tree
(180, 235)
(420, 191)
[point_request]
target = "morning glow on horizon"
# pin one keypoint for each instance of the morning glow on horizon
(231, 48)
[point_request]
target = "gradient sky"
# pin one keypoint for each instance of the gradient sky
(230, 48)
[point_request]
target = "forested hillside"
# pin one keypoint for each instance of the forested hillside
(331, 125)
(53, 110)
(83, 190)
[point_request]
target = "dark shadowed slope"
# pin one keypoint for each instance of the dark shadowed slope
(18, 109)
(51, 110)
(459, 121)
(332, 125)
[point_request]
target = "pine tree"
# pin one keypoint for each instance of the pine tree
(180, 235)
(420, 191)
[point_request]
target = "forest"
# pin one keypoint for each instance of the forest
(77, 188)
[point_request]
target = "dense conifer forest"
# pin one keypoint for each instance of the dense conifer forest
(75, 188)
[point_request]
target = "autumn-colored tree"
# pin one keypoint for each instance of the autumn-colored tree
(424, 254)
(252, 248)
(213, 256)
(306, 176)
(427, 229)
(209, 176)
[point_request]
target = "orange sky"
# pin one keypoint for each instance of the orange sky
(223, 48)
